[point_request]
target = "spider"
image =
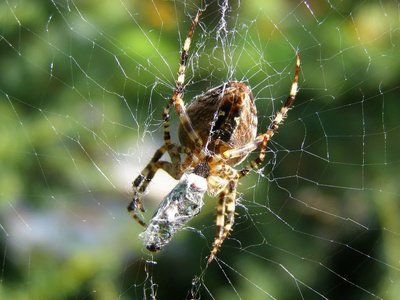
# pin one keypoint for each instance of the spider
(217, 131)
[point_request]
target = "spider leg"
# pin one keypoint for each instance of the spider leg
(177, 97)
(224, 222)
(254, 163)
(262, 139)
(220, 221)
(174, 169)
(142, 181)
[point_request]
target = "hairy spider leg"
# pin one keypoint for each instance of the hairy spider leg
(142, 181)
(174, 168)
(227, 201)
(263, 139)
(224, 222)
(177, 97)
(220, 222)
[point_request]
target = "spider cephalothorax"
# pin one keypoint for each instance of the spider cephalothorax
(217, 131)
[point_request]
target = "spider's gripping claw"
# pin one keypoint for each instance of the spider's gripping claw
(132, 210)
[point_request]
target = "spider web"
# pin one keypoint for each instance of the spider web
(82, 89)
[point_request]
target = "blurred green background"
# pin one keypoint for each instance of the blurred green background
(82, 88)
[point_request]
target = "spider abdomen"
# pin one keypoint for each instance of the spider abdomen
(225, 117)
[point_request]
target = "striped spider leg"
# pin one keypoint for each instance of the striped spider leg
(174, 168)
(217, 131)
(226, 204)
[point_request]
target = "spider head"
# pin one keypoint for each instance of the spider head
(202, 169)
